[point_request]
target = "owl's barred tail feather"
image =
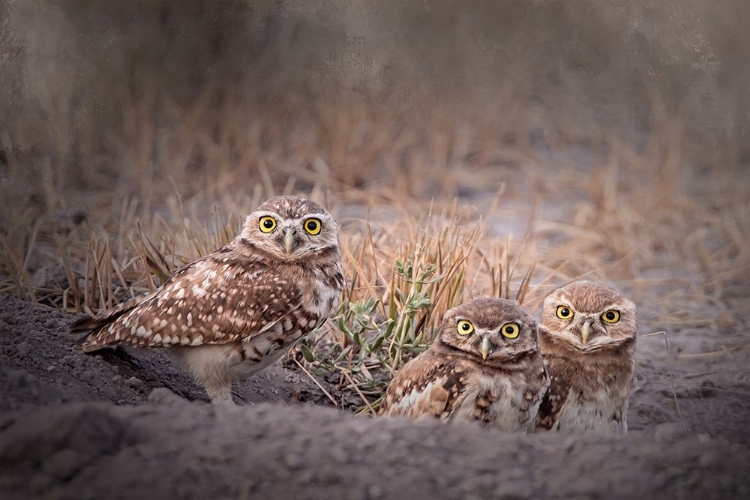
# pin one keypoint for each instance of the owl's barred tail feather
(85, 324)
(89, 328)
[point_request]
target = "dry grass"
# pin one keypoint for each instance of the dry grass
(443, 193)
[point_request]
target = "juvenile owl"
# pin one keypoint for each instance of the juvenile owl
(484, 366)
(235, 311)
(587, 337)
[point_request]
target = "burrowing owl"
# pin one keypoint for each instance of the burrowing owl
(587, 336)
(235, 311)
(484, 366)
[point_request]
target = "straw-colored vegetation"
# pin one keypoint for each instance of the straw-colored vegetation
(473, 161)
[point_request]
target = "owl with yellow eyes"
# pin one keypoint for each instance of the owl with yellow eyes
(235, 311)
(587, 337)
(484, 366)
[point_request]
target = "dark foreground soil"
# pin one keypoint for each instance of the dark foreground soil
(129, 425)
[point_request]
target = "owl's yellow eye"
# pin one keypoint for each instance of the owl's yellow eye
(267, 224)
(465, 327)
(510, 330)
(611, 316)
(564, 312)
(313, 226)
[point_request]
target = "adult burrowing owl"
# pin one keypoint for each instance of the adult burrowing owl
(485, 365)
(235, 311)
(587, 337)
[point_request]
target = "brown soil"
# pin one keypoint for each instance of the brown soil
(121, 425)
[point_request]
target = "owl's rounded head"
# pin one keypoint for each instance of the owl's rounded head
(490, 329)
(291, 228)
(588, 316)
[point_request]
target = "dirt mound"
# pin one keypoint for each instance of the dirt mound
(62, 436)
(173, 449)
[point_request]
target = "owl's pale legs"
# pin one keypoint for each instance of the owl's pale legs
(212, 366)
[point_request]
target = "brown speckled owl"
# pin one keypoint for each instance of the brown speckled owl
(587, 337)
(484, 366)
(235, 311)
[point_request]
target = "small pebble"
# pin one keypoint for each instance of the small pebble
(135, 383)
(704, 438)
(668, 431)
(23, 349)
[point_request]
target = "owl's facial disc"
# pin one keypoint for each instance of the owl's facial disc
(296, 237)
(582, 327)
(588, 331)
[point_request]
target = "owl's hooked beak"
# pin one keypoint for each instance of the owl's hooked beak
(485, 348)
(585, 331)
(290, 240)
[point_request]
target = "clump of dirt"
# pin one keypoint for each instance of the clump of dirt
(172, 449)
(127, 424)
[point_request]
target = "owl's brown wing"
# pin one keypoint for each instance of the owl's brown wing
(552, 404)
(554, 400)
(220, 298)
(429, 385)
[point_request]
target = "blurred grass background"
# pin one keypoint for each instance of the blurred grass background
(467, 148)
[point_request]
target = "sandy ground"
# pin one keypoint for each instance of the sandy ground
(128, 424)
